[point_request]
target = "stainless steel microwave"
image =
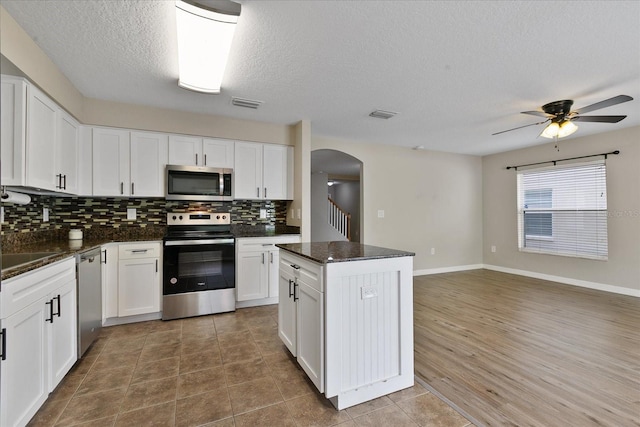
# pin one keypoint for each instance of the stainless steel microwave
(199, 183)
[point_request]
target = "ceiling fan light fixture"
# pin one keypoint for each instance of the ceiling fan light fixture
(551, 131)
(567, 128)
(204, 43)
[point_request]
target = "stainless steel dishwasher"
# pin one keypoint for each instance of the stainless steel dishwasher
(89, 272)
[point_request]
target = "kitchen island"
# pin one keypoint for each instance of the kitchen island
(346, 313)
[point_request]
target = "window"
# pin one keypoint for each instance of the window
(562, 210)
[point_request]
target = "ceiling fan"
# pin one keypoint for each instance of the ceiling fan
(561, 118)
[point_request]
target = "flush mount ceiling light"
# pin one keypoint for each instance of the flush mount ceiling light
(204, 42)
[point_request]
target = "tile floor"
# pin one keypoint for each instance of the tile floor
(221, 370)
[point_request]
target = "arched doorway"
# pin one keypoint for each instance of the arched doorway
(336, 191)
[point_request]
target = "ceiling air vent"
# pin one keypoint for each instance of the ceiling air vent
(246, 103)
(381, 114)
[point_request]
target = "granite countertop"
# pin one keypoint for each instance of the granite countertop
(328, 252)
(59, 243)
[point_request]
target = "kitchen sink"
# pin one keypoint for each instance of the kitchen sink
(16, 260)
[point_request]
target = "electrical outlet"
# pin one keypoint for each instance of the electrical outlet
(45, 214)
(380, 213)
(493, 248)
(433, 251)
(263, 213)
(1, 213)
(132, 214)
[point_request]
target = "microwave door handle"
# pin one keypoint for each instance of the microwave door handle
(198, 242)
(221, 188)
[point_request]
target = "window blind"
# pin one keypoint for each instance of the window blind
(562, 210)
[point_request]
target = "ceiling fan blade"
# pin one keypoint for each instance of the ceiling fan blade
(600, 119)
(520, 127)
(537, 113)
(603, 104)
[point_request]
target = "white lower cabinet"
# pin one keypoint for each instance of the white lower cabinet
(40, 338)
(301, 314)
(138, 278)
(257, 260)
(109, 281)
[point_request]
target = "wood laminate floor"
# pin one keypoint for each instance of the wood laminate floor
(510, 350)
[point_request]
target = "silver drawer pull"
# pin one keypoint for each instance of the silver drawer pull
(139, 251)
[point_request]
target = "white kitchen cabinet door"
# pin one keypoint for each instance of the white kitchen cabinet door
(110, 162)
(24, 372)
(185, 150)
(149, 155)
(251, 278)
(13, 122)
(138, 286)
(247, 171)
(274, 261)
(67, 153)
(63, 333)
(218, 153)
(276, 171)
(287, 312)
(109, 281)
(41, 148)
(310, 339)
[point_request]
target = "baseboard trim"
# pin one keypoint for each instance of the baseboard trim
(567, 280)
(447, 269)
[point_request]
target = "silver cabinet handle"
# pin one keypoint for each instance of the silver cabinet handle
(196, 159)
(59, 178)
(122, 188)
(271, 255)
(205, 160)
(263, 257)
(258, 191)
(64, 185)
(265, 192)
(132, 192)
(139, 251)
(156, 266)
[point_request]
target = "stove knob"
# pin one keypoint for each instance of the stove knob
(224, 217)
(174, 218)
(180, 217)
(217, 216)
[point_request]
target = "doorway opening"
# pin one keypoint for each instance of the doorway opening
(336, 196)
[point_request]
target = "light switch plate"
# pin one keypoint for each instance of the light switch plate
(369, 292)
(132, 214)
(263, 213)
(45, 214)
(380, 213)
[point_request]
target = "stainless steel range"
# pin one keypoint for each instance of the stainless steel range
(199, 265)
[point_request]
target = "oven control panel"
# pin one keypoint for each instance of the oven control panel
(198, 218)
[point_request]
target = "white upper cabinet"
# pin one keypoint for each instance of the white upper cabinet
(110, 162)
(148, 161)
(263, 171)
(13, 119)
(218, 153)
(40, 141)
(128, 164)
(67, 153)
(185, 150)
(41, 132)
(196, 151)
(248, 171)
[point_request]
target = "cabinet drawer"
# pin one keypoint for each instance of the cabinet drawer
(139, 250)
(252, 244)
(20, 291)
(307, 271)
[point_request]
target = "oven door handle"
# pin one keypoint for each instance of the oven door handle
(198, 242)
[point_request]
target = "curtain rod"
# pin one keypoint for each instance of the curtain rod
(564, 160)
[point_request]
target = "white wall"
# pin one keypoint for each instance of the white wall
(622, 269)
(430, 199)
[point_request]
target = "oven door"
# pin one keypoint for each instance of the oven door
(198, 265)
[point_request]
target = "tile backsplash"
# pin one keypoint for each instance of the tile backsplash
(88, 213)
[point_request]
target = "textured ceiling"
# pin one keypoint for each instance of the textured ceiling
(456, 71)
